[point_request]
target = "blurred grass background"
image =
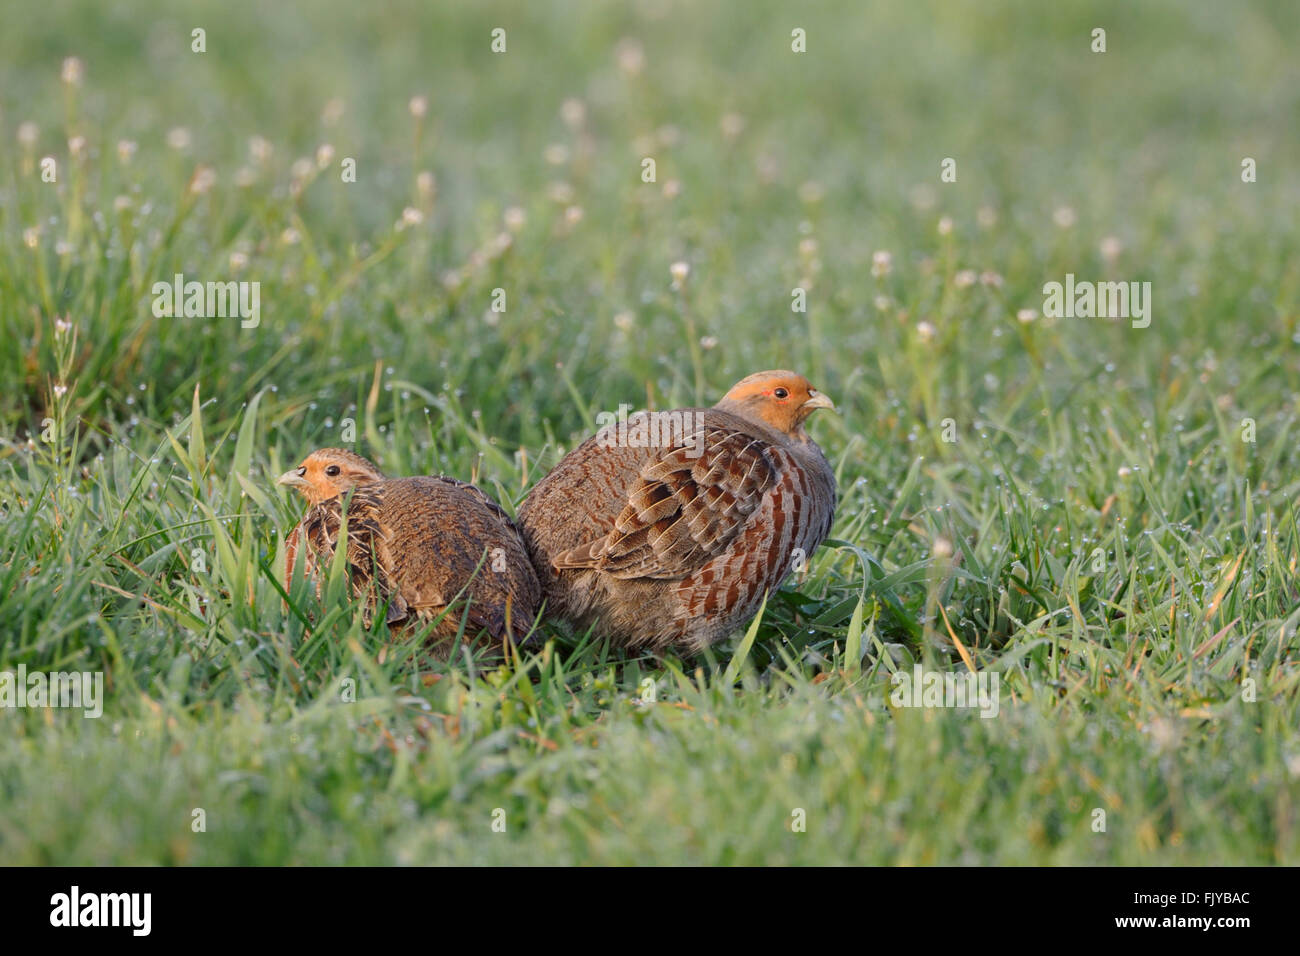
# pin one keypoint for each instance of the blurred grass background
(774, 170)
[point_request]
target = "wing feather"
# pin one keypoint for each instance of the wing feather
(686, 506)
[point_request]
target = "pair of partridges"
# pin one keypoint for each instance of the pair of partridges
(666, 544)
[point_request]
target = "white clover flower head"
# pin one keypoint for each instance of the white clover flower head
(623, 321)
(73, 71)
(324, 155)
(28, 132)
(882, 302)
(708, 342)
(882, 263)
(807, 247)
(412, 216)
(1025, 316)
(556, 154)
(291, 236)
(515, 218)
(205, 177)
(679, 271)
(630, 56)
(126, 150)
(32, 236)
(62, 326)
(926, 331)
(238, 261)
(418, 106)
(941, 548)
(574, 113)
(732, 124)
(1065, 217)
(987, 217)
(672, 188)
(945, 225)
(60, 390)
(1110, 248)
(991, 279)
(1125, 471)
(573, 215)
(426, 184)
(301, 169)
(964, 279)
(178, 138)
(259, 149)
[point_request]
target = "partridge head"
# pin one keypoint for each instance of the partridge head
(782, 400)
(329, 472)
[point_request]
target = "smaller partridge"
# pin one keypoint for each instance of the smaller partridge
(667, 530)
(417, 545)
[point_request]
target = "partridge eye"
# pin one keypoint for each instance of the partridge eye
(332, 471)
(781, 393)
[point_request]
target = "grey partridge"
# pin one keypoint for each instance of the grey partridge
(418, 545)
(666, 530)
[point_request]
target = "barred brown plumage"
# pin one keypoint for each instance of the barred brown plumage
(419, 545)
(674, 543)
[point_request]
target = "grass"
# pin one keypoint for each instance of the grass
(1099, 534)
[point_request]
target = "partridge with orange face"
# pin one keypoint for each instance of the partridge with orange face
(417, 545)
(667, 530)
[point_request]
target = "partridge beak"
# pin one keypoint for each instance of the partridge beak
(292, 479)
(818, 400)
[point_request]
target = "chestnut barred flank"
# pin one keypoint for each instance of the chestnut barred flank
(675, 546)
(418, 546)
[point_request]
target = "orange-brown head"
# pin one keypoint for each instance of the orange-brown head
(329, 472)
(779, 399)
